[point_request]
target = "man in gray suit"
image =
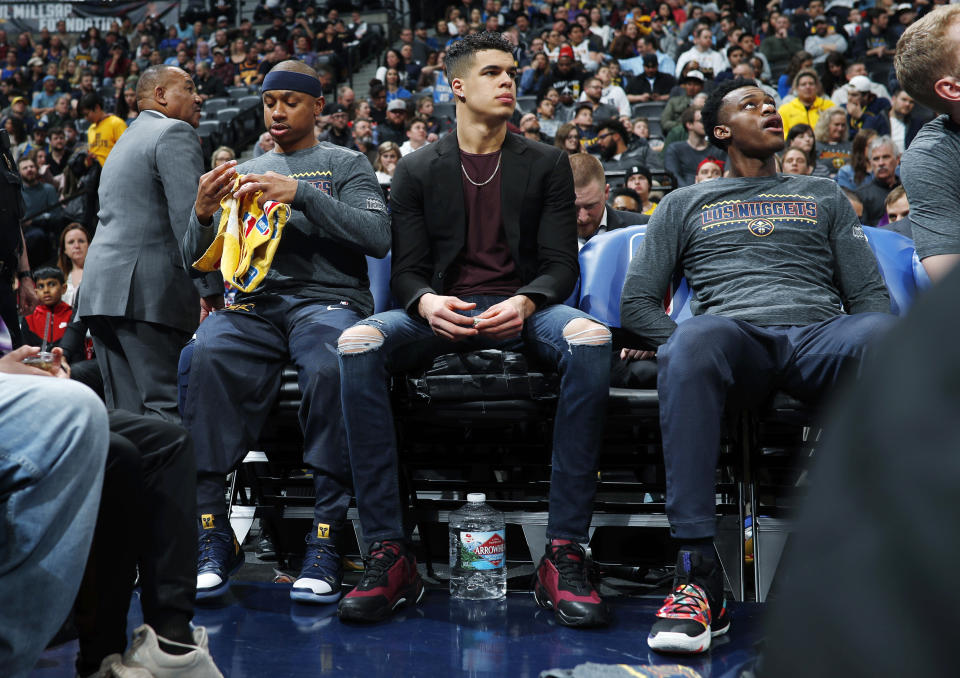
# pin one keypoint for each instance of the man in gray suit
(138, 297)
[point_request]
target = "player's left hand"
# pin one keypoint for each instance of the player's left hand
(275, 186)
(27, 298)
(210, 304)
(505, 320)
(631, 354)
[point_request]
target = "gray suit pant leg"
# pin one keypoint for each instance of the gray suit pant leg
(138, 361)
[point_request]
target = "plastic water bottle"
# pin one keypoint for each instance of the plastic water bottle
(478, 551)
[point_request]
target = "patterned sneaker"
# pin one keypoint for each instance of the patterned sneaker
(695, 611)
(389, 582)
(218, 556)
(562, 585)
(320, 576)
(144, 657)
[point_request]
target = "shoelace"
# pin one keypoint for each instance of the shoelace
(208, 547)
(681, 601)
(570, 561)
(324, 555)
(380, 560)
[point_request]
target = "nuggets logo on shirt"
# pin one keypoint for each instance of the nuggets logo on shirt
(322, 181)
(760, 227)
(759, 215)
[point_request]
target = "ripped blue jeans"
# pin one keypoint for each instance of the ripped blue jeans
(409, 344)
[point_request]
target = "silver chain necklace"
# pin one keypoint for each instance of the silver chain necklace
(496, 169)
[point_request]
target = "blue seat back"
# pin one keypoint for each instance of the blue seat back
(378, 271)
(900, 267)
(604, 261)
(605, 258)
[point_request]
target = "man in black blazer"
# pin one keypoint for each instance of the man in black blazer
(484, 253)
(592, 191)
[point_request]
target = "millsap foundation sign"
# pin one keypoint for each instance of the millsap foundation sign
(79, 15)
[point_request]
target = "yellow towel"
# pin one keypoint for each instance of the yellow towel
(243, 255)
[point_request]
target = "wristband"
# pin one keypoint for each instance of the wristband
(23, 274)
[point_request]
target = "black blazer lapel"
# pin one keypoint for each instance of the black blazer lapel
(513, 187)
(448, 195)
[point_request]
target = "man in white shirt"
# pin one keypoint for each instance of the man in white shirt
(612, 95)
(357, 25)
(593, 95)
(703, 53)
(416, 137)
(581, 48)
(857, 70)
(903, 127)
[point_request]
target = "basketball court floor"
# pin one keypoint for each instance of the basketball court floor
(257, 632)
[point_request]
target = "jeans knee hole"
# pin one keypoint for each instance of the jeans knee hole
(593, 336)
(360, 339)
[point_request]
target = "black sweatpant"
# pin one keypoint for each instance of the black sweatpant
(146, 519)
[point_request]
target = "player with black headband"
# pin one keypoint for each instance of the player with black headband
(788, 296)
(316, 287)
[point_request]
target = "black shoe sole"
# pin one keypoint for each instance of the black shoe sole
(596, 619)
(349, 613)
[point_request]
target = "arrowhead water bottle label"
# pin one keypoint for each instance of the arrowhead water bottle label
(482, 550)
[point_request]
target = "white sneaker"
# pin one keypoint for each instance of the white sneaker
(145, 653)
(112, 667)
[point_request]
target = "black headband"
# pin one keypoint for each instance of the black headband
(294, 82)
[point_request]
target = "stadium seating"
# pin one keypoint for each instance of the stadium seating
(505, 423)
(212, 106)
(209, 133)
(235, 93)
(232, 129)
(527, 104)
(652, 110)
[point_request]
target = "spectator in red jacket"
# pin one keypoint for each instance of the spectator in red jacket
(50, 286)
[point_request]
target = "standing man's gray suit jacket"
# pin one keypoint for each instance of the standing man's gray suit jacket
(134, 269)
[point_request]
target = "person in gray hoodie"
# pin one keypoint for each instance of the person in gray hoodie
(316, 287)
(787, 297)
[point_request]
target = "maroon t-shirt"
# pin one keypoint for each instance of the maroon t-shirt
(484, 265)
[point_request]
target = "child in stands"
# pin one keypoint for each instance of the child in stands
(51, 287)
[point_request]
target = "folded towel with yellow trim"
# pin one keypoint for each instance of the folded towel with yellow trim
(246, 240)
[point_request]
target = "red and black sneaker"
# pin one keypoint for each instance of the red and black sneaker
(390, 581)
(562, 585)
(696, 610)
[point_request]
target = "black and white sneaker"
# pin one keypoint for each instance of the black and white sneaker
(695, 611)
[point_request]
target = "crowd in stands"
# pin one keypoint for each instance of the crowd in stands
(621, 86)
(583, 68)
(623, 80)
